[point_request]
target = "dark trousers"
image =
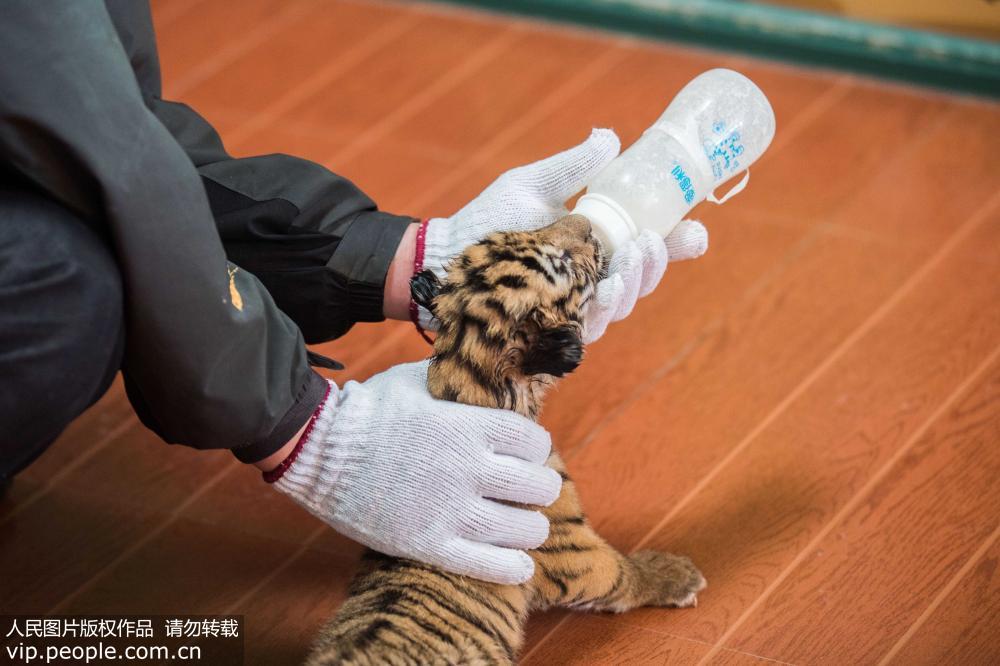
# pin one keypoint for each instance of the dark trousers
(62, 332)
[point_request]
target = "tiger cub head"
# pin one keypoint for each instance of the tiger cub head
(511, 314)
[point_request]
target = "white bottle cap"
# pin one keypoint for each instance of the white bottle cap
(612, 225)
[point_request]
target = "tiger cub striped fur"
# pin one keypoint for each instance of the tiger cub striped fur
(510, 313)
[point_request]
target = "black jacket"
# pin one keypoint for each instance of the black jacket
(215, 354)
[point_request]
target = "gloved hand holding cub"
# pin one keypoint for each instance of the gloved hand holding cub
(391, 467)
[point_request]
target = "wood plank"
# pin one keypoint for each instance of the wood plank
(833, 438)
(282, 622)
(464, 118)
(238, 61)
(194, 37)
(964, 143)
(800, 311)
(963, 628)
(593, 639)
(58, 542)
(505, 89)
(540, 625)
(735, 658)
(904, 539)
(168, 573)
(357, 97)
(839, 153)
(91, 430)
(655, 450)
(166, 12)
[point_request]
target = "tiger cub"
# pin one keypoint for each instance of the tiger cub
(510, 313)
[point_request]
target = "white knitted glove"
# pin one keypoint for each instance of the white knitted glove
(391, 467)
(634, 271)
(523, 199)
(534, 196)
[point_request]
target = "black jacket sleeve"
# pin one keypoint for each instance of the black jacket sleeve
(215, 361)
(313, 238)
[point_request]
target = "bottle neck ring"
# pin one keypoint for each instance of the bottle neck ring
(611, 224)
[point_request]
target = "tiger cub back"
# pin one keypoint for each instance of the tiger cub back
(511, 320)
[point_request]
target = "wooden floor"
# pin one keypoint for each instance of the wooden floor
(811, 411)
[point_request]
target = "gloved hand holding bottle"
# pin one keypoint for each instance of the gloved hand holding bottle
(534, 196)
(715, 128)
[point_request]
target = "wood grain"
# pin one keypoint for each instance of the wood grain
(282, 621)
(735, 658)
(904, 540)
(60, 541)
(913, 200)
(761, 510)
(962, 629)
(264, 68)
(191, 42)
(595, 640)
(90, 432)
(839, 152)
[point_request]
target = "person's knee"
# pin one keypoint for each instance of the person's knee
(74, 278)
(62, 321)
(88, 301)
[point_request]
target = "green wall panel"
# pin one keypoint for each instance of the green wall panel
(915, 56)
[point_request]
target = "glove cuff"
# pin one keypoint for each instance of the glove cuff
(279, 471)
(438, 249)
(309, 480)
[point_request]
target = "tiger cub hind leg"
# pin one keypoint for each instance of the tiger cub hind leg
(576, 568)
(658, 579)
(613, 582)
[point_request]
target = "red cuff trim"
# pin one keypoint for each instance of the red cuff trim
(279, 471)
(418, 265)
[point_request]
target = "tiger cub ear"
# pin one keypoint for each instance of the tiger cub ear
(424, 288)
(554, 351)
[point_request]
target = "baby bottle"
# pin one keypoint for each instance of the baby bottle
(716, 127)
